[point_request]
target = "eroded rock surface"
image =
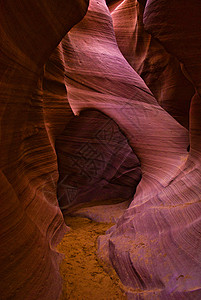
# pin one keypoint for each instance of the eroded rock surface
(95, 162)
(31, 221)
(155, 245)
(161, 71)
(135, 80)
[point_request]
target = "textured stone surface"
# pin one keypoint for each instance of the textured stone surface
(31, 221)
(181, 36)
(115, 88)
(161, 71)
(95, 161)
(155, 245)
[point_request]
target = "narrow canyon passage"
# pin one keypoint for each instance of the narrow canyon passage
(100, 99)
(84, 276)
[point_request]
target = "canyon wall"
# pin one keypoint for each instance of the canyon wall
(31, 221)
(155, 245)
(107, 110)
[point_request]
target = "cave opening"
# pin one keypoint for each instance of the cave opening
(138, 62)
(98, 176)
(95, 164)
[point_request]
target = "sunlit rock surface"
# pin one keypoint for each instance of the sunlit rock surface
(155, 245)
(161, 71)
(137, 83)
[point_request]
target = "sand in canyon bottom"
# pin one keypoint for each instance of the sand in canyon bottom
(84, 277)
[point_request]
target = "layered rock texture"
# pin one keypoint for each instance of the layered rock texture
(30, 218)
(105, 111)
(95, 163)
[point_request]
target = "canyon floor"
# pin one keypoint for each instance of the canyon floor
(84, 276)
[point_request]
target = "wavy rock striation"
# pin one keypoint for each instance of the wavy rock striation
(161, 71)
(123, 76)
(31, 221)
(95, 162)
(155, 245)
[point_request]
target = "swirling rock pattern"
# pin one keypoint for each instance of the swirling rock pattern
(155, 245)
(95, 163)
(161, 71)
(100, 65)
(31, 221)
(176, 37)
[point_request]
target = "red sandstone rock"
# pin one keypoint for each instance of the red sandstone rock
(155, 245)
(161, 71)
(180, 34)
(31, 221)
(113, 87)
(95, 161)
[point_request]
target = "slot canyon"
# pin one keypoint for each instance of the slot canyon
(100, 180)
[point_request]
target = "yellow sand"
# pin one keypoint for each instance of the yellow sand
(84, 277)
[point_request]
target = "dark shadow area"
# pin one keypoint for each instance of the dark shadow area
(96, 164)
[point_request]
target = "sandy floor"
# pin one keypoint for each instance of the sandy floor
(84, 277)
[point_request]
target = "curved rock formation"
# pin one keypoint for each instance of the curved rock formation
(95, 162)
(161, 71)
(113, 87)
(143, 83)
(155, 245)
(181, 37)
(31, 221)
